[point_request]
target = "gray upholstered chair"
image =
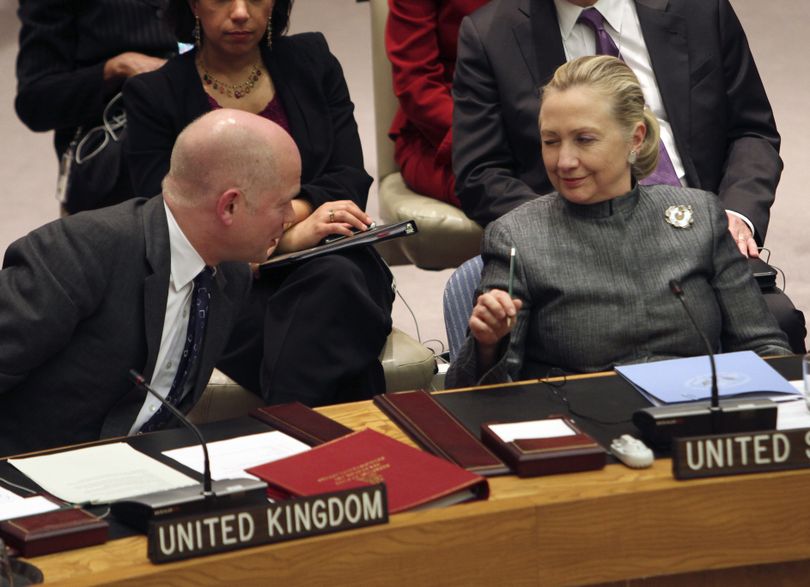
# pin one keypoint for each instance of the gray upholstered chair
(406, 363)
(458, 302)
(446, 236)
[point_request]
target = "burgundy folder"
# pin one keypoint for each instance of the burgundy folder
(301, 422)
(437, 431)
(54, 531)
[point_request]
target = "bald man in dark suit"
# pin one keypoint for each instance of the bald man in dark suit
(87, 298)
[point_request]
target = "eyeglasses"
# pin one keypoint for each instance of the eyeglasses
(114, 121)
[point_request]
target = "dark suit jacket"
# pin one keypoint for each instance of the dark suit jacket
(63, 47)
(594, 281)
(712, 92)
(82, 301)
(310, 83)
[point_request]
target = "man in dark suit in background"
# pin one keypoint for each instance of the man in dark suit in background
(698, 76)
(152, 285)
(75, 56)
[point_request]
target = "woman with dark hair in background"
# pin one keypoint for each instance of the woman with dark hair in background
(593, 264)
(326, 320)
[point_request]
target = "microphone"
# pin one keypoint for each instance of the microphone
(677, 290)
(660, 424)
(139, 381)
(211, 495)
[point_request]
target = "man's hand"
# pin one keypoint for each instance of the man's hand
(742, 235)
(130, 63)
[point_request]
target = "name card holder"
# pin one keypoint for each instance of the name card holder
(742, 452)
(205, 533)
(543, 447)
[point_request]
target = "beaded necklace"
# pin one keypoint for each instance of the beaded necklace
(237, 91)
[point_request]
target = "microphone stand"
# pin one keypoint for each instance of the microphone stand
(137, 511)
(714, 406)
(140, 382)
(660, 424)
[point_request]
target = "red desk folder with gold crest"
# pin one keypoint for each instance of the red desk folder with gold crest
(413, 478)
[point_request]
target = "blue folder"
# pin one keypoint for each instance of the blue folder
(685, 380)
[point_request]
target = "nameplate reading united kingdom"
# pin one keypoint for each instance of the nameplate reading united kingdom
(219, 531)
(741, 452)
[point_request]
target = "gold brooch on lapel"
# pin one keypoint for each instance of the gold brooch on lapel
(679, 216)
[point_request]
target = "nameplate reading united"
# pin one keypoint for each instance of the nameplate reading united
(741, 452)
(219, 531)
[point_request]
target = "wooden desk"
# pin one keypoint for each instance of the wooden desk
(615, 525)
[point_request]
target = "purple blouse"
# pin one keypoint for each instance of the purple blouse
(273, 111)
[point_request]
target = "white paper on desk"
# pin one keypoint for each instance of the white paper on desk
(230, 458)
(7, 496)
(792, 415)
(550, 428)
(100, 474)
(25, 506)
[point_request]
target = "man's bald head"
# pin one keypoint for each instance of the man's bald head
(229, 149)
(230, 183)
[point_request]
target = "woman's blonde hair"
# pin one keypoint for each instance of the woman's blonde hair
(613, 79)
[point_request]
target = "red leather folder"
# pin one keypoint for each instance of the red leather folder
(413, 478)
(301, 422)
(432, 427)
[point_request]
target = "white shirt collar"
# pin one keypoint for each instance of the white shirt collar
(185, 260)
(567, 14)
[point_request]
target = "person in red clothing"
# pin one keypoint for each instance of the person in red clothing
(420, 40)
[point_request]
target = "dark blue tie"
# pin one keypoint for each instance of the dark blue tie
(195, 334)
(665, 171)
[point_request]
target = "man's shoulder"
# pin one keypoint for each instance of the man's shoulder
(102, 227)
(499, 15)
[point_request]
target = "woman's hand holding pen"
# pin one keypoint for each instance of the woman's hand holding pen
(493, 316)
(331, 218)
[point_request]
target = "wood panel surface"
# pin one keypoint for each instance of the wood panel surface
(610, 526)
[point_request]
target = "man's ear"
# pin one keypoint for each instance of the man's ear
(227, 204)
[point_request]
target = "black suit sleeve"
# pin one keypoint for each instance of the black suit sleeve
(752, 166)
(338, 173)
(486, 182)
(51, 280)
(54, 91)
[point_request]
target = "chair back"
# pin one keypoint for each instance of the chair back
(459, 298)
(385, 102)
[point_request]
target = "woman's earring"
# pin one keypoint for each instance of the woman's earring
(631, 158)
(196, 32)
(270, 31)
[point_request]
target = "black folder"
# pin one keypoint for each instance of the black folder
(365, 237)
